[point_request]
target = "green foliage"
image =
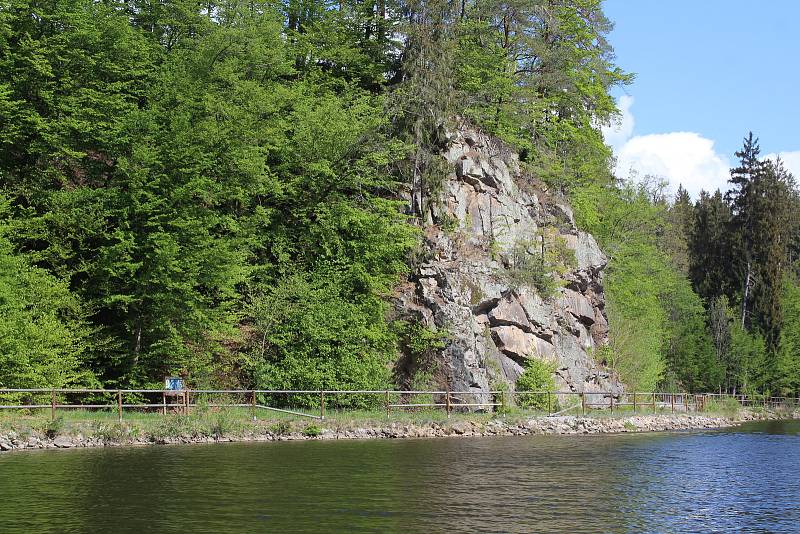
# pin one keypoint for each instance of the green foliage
(169, 165)
(114, 432)
(689, 351)
(538, 75)
(312, 334)
(538, 377)
(787, 361)
(725, 406)
(658, 331)
(740, 249)
(280, 428)
(748, 360)
(312, 431)
(536, 263)
(53, 427)
(222, 423)
(212, 190)
(624, 221)
(420, 347)
(43, 336)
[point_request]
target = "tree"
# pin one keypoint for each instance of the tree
(43, 336)
(760, 200)
(787, 363)
(679, 224)
(710, 249)
(548, 69)
(422, 104)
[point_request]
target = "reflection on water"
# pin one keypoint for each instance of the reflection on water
(742, 479)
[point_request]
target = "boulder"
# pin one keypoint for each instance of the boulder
(509, 312)
(539, 312)
(514, 342)
(63, 442)
(579, 306)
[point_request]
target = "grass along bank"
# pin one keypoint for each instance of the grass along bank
(81, 428)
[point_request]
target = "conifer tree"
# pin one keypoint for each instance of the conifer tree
(710, 248)
(680, 220)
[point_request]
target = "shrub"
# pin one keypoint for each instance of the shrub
(726, 406)
(280, 428)
(538, 376)
(114, 433)
(312, 431)
(539, 263)
(53, 427)
(176, 425)
(223, 423)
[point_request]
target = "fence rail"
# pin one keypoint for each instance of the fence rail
(314, 403)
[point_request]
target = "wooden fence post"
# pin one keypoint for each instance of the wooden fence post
(119, 406)
(583, 403)
(549, 404)
(612, 403)
(53, 404)
(253, 404)
(387, 404)
(164, 402)
(447, 402)
(672, 401)
(634, 402)
(654, 403)
(186, 402)
(321, 404)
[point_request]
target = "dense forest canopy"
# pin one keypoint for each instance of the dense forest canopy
(230, 190)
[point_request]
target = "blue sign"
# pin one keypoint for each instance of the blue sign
(173, 384)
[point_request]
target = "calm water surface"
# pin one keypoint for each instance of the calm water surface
(746, 479)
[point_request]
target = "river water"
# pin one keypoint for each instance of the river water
(744, 479)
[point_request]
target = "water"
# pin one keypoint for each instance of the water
(745, 479)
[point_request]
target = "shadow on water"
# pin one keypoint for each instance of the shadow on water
(746, 478)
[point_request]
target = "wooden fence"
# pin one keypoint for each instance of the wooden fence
(314, 403)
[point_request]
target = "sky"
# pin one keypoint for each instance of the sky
(707, 73)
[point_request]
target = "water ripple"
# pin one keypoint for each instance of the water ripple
(747, 479)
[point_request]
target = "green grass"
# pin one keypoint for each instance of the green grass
(726, 407)
(208, 422)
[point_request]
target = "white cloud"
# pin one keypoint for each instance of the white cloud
(619, 132)
(685, 158)
(679, 157)
(791, 160)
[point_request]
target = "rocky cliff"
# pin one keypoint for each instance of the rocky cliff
(490, 220)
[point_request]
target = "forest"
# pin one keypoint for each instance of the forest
(220, 189)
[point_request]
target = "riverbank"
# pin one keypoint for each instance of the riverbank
(33, 434)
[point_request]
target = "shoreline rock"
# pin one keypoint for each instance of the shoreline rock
(535, 426)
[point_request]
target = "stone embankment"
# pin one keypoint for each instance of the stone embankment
(569, 425)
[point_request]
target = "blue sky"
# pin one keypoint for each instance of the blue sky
(707, 72)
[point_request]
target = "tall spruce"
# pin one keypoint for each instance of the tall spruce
(744, 199)
(710, 247)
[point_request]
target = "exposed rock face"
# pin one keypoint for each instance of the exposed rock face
(494, 325)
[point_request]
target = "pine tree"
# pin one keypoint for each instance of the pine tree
(710, 248)
(680, 220)
(744, 199)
